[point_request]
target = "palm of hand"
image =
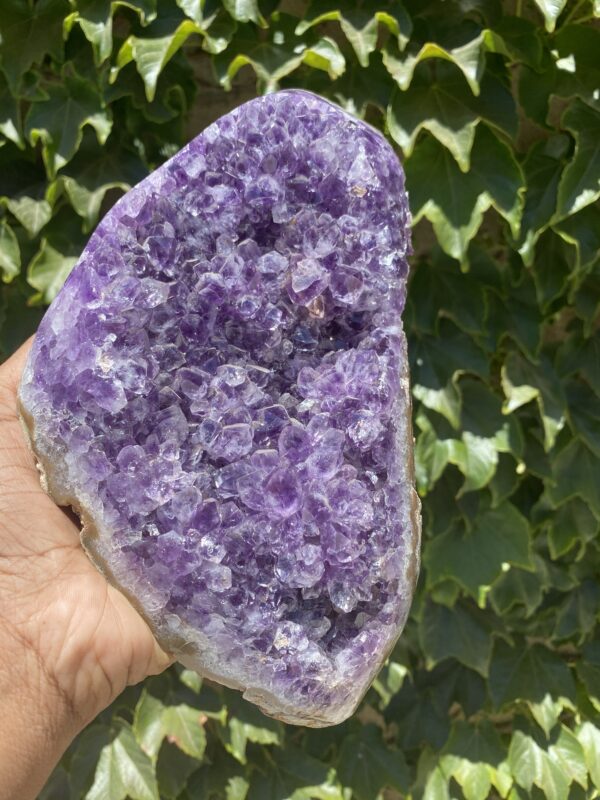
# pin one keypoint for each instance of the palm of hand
(84, 636)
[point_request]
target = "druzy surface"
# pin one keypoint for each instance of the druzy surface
(220, 389)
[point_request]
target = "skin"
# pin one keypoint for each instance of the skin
(69, 642)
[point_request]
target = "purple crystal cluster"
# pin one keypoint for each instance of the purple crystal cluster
(220, 390)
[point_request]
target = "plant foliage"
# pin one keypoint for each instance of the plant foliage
(494, 689)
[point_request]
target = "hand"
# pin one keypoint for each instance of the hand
(69, 642)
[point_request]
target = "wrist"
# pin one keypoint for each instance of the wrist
(37, 722)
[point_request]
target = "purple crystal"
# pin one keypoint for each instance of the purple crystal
(220, 389)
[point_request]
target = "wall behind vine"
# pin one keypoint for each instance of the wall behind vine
(494, 107)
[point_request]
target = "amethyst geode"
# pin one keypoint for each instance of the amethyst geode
(220, 390)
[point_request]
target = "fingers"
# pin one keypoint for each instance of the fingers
(11, 370)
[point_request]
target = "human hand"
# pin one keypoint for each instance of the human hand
(69, 642)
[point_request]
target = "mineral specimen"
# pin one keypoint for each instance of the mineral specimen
(220, 390)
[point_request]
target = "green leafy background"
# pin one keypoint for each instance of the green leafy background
(494, 107)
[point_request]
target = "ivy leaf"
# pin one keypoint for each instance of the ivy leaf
(439, 288)
(148, 724)
(543, 172)
(275, 58)
(161, 40)
(523, 381)
(551, 11)
(247, 724)
(462, 632)
(576, 71)
(245, 11)
(455, 202)
(29, 32)
(445, 107)
(531, 765)
(468, 57)
(528, 673)
(360, 24)
(580, 183)
(582, 230)
(589, 737)
(173, 768)
(576, 617)
(574, 471)
(437, 362)
(582, 356)
(584, 414)
(474, 757)
(58, 121)
(519, 587)
(48, 270)
(10, 117)
(10, 254)
(476, 558)
(290, 773)
(517, 39)
(94, 171)
(124, 770)
(183, 726)
(571, 524)
(366, 764)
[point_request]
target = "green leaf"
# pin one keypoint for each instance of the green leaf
(290, 773)
(517, 39)
(94, 171)
(528, 673)
(551, 11)
(29, 32)
(531, 765)
(577, 71)
(58, 121)
(474, 757)
(366, 764)
(468, 57)
(184, 726)
(244, 11)
(584, 414)
(274, 58)
(10, 254)
(247, 724)
(173, 769)
(124, 770)
(577, 616)
(437, 362)
(10, 115)
(582, 230)
(523, 381)
(438, 288)
(574, 471)
(48, 270)
(32, 212)
(360, 23)
(580, 183)
(519, 587)
(589, 737)
(571, 524)
(543, 172)
(462, 632)
(444, 106)
(582, 356)
(476, 558)
(161, 40)
(148, 724)
(455, 202)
